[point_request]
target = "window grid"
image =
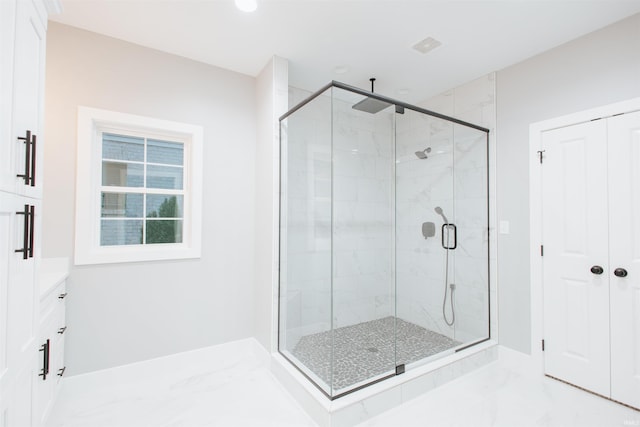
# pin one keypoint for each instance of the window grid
(144, 190)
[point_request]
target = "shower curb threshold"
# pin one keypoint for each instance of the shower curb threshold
(370, 401)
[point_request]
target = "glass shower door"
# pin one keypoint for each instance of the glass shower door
(426, 237)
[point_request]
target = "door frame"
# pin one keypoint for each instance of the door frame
(535, 207)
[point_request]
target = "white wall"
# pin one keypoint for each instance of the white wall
(597, 69)
(122, 313)
(272, 93)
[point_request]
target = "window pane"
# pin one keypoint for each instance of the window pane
(120, 147)
(120, 232)
(122, 174)
(164, 231)
(164, 177)
(121, 205)
(168, 153)
(164, 206)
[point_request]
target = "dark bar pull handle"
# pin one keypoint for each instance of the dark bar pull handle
(61, 371)
(61, 330)
(25, 236)
(32, 177)
(32, 221)
(27, 158)
(45, 360)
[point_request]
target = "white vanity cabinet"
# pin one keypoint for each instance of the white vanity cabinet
(51, 335)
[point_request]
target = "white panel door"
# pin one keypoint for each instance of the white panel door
(18, 308)
(576, 300)
(624, 228)
(28, 96)
(7, 34)
(6, 246)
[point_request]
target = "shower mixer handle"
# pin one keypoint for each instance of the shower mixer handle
(446, 228)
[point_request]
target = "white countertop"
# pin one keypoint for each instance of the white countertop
(51, 273)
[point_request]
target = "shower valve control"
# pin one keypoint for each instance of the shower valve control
(596, 269)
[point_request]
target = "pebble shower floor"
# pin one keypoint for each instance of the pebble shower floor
(368, 349)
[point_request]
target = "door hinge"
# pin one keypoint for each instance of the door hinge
(540, 152)
(541, 250)
(542, 345)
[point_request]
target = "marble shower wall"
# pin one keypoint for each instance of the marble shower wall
(363, 285)
(421, 186)
(473, 102)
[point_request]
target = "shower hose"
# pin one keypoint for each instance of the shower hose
(446, 288)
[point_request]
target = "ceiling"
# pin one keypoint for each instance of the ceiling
(370, 38)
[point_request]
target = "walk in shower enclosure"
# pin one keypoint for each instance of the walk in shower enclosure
(384, 245)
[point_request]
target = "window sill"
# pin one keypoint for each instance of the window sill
(123, 254)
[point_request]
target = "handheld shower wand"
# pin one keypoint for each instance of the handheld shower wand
(447, 226)
(438, 210)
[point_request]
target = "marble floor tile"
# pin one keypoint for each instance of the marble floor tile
(227, 385)
(231, 385)
(507, 394)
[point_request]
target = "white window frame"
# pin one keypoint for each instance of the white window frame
(91, 123)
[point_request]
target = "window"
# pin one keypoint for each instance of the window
(138, 188)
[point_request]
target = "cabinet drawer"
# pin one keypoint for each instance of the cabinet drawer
(53, 300)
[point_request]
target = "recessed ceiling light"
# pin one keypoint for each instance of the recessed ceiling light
(403, 91)
(426, 45)
(341, 69)
(247, 5)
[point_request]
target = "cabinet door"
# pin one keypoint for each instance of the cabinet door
(15, 406)
(624, 227)
(18, 294)
(575, 237)
(7, 37)
(28, 96)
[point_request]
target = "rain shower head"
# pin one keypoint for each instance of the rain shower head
(423, 154)
(371, 105)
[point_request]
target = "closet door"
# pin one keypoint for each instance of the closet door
(624, 228)
(575, 261)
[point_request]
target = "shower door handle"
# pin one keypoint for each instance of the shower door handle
(448, 227)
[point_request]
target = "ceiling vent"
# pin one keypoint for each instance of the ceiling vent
(426, 45)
